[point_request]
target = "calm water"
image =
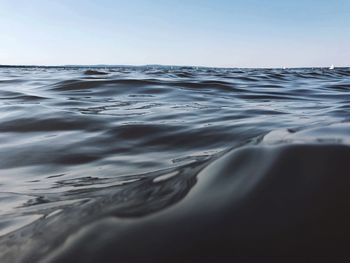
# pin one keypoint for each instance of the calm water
(168, 164)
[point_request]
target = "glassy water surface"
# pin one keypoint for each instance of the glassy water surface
(106, 152)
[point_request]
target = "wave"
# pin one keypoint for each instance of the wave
(292, 206)
(94, 72)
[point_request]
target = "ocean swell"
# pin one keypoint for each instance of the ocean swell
(174, 164)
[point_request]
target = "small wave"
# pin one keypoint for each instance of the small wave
(148, 84)
(94, 72)
(236, 208)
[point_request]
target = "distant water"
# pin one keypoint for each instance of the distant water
(171, 164)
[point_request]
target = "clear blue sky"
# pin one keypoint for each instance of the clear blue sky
(229, 33)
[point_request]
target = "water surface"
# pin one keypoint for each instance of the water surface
(173, 164)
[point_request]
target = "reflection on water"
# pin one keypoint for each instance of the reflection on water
(88, 150)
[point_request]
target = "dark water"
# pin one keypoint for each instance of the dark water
(165, 164)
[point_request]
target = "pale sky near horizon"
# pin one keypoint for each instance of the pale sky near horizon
(222, 33)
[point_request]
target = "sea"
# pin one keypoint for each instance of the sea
(174, 164)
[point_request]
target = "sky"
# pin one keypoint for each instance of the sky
(219, 33)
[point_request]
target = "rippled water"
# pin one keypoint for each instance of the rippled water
(168, 164)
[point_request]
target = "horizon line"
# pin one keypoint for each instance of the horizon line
(151, 65)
